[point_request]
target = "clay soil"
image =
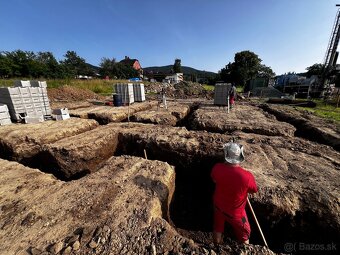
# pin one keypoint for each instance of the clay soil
(88, 189)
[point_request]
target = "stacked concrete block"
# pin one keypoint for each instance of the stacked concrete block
(138, 92)
(125, 90)
(5, 118)
(23, 84)
(221, 93)
(25, 101)
(61, 114)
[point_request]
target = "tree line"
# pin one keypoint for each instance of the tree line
(28, 64)
(246, 66)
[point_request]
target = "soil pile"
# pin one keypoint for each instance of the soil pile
(183, 89)
(186, 89)
(71, 93)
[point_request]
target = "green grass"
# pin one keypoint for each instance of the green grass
(98, 86)
(239, 89)
(325, 110)
(208, 87)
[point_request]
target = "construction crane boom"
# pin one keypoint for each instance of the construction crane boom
(330, 58)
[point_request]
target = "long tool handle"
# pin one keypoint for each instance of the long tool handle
(257, 223)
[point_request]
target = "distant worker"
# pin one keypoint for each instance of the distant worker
(163, 98)
(232, 96)
(233, 183)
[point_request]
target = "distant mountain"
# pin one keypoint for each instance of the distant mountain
(94, 68)
(185, 69)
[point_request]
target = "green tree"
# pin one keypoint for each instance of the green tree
(74, 65)
(266, 71)
(177, 68)
(6, 66)
(107, 67)
(246, 66)
(23, 63)
(316, 69)
(50, 66)
(122, 71)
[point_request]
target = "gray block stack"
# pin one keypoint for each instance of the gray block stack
(138, 92)
(221, 93)
(25, 101)
(125, 90)
(5, 119)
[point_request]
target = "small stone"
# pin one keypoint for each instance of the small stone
(35, 251)
(212, 252)
(68, 250)
(206, 252)
(106, 229)
(93, 244)
(24, 252)
(56, 248)
(76, 245)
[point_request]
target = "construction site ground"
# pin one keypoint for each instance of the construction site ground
(136, 179)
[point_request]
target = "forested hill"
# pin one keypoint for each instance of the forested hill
(185, 69)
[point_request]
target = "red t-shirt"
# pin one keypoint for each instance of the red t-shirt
(233, 183)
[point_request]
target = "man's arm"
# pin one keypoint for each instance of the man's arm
(252, 187)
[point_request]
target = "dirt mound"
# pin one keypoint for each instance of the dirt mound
(171, 116)
(186, 89)
(107, 114)
(183, 89)
(71, 93)
(22, 142)
(245, 118)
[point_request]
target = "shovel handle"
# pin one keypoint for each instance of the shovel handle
(257, 223)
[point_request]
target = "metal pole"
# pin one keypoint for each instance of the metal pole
(257, 223)
(228, 104)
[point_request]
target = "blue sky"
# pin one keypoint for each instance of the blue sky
(288, 35)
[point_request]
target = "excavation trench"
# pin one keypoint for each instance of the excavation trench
(303, 128)
(191, 209)
(187, 120)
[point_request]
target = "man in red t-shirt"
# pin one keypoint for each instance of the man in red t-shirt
(233, 183)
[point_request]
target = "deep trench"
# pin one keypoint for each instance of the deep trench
(303, 128)
(192, 208)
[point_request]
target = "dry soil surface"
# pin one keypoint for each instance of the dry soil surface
(21, 142)
(160, 115)
(245, 118)
(121, 205)
(307, 124)
(107, 114)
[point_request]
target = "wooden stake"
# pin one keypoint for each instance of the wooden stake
(257, 223)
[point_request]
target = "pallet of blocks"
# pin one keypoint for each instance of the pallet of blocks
(221, 93)
(5, 118)
(23, 101)
(138, 92)
(125, 90)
